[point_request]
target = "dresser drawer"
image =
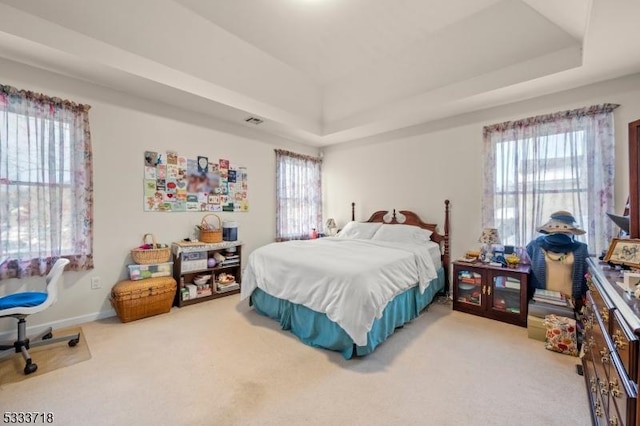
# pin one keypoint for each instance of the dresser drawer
(625, 343)
(623, 395)
(600, 305)
(601, 352)
(599, 416)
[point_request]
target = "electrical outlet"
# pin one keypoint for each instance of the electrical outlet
(96, 283)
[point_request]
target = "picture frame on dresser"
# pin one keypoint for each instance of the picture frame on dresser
(624, 251)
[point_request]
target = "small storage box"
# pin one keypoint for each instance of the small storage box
(133, 300)
(194, 261)
(141, 272)
(536, 328)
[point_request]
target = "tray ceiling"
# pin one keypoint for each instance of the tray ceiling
(326, 71)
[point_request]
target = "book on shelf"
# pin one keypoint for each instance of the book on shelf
(204, 293)
(503, 282)
(512, 284)
(223, 288)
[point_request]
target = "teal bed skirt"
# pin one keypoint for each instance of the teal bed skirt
(315, 329)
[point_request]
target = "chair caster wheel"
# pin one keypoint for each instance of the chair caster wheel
(30, 368)
(73, 342)
(47, 336)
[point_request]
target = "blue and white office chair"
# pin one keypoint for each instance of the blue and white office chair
(21, 305)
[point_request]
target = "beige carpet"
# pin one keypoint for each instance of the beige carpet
(48, 358)
(220, 363)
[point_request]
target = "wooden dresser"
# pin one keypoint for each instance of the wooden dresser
(610, 349)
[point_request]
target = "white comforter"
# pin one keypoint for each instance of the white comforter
(349, 280)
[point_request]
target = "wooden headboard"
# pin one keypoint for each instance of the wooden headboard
(412, 218)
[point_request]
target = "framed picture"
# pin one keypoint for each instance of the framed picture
(624, 252)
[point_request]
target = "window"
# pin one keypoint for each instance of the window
(539, 165)
(298, 195)
(46, 209)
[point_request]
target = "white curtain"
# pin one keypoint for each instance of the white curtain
(298, 195)
(46, 188)
(561, 161)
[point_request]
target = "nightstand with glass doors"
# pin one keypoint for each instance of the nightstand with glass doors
(490, 291)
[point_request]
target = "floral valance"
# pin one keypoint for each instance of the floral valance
(548, 118)
(8, 92)
(298, 156)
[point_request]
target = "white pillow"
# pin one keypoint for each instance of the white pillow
(359, 230)
(402, 234)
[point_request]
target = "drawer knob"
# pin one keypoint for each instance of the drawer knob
(588, 324)
(614, 388)
(613, 421)
(619, 340)
(598, 409)
(604, 388)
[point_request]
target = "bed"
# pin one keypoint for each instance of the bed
(349, 293)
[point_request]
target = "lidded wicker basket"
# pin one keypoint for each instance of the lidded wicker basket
(209, 233)
(133, 300)
(152, 255)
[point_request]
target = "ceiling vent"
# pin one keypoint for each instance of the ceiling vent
(254, 120)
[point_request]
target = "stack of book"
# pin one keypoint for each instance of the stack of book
(225, 287)
(550, 296)
(547, 302)
(470, 277)
(230, 260)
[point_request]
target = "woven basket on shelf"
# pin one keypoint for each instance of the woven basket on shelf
(210, 235)
(152, 255)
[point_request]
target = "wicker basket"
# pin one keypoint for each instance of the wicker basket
(210, 235)
(153, 255)
(133, 300)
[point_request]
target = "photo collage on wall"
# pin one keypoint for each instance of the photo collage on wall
(173, 183)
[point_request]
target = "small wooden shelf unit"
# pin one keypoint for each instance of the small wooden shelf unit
(191, 261)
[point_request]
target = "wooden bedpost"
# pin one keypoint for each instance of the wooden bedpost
(446, 259)
(353, 212)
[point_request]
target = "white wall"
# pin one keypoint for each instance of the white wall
(122, 128)
(418, 168)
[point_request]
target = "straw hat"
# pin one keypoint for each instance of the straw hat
(561, 222)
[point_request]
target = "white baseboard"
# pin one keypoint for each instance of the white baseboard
(66, 322)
